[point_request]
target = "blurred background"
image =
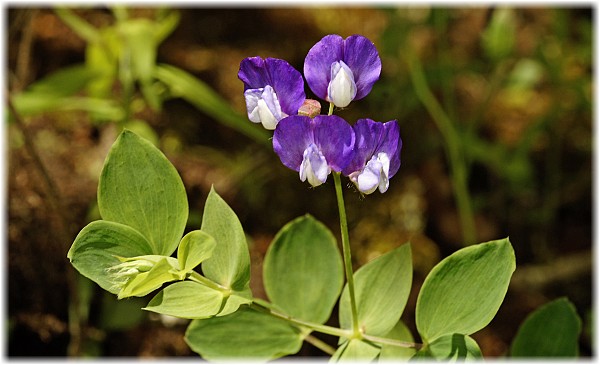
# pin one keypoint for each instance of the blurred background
(494, 106)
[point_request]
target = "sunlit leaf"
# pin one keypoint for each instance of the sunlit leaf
(140, 188)
(464, 291)
(194, 248)
(98, 246)
(187, 299)
(302, 271)
(245, 334)
(229, 264)
(382, 287)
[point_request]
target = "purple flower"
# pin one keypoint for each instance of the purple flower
(376, 156)
(273, 89)
(314, 147)
(341, 70)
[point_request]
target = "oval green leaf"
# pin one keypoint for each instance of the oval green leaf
(464, 291)
(303, 270)
(245, 334)
(229, 264)
(194, 248)
(382, 287)
(140, 188)
(550, 331)
(97, 247)
(187, 299)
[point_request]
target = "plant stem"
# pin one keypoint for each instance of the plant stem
(330, 109)
(392, 342)
(346, 252)
(334, 331)
(319, 344)
(454, 152)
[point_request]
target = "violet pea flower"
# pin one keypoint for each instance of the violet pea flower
(314, 147)
(341, 70)
(376, 156)
(273, 89)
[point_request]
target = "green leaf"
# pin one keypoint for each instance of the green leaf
(184, 85)
(244, 334)
(303, 271)
(194, 248)
(146, 282)
(464, 291)
(550, 331)
(98, 246)
(139, 187)
(402, 333)
(355, 350)
(382, 287)
(229, 264)
(451, 348)
(187, 299)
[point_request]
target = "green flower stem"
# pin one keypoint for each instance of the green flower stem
(346, 252)
(452, 145)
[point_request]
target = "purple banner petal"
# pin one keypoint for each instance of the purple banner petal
(317, 64)
(362, 58)
(291, 137)
(335, 138)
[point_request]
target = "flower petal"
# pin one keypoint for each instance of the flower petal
(285, 80)
(362, 58)
(342, 88)
(291, 137)
(314, 166)
(335, 139)
(288, 84)
(368, 134)
(317, 64)
(391, 144)
(253, 73)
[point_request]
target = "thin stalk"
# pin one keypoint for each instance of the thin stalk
(334, 331)
(346, 252)
(319, 344)
(392, 342)
(453, 148)
(330, 109)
